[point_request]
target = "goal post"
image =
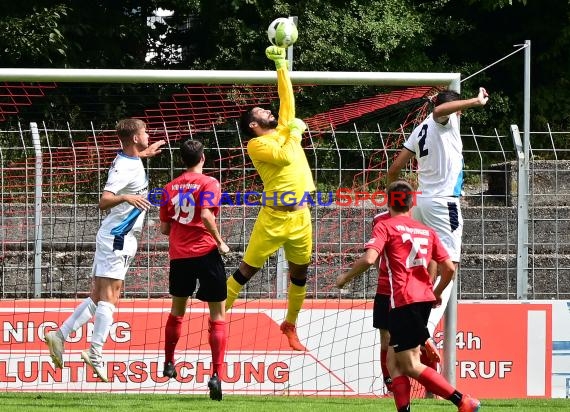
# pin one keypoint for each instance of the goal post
(224, 77)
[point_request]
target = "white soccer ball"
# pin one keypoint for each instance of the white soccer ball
(282, 32)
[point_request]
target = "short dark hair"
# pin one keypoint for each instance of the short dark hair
(446, 96)
(127, 128)
(245, 119)
(191, 152)
(400, 196)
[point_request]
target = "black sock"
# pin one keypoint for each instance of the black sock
(298, 282)
(405, 408)
(455, 398)
(239, 278)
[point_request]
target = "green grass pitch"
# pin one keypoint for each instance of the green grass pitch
(23, 402)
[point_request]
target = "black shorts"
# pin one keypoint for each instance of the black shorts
(380, 311)
(208, 269)
(408, 325)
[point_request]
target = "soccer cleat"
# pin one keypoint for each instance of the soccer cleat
(215, 386)
(469, 404)
(432, 353)
(290, 331)
(169, 370)
(55, 343)
(96, 363)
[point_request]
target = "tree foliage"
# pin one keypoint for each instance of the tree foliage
(335, 35)
(34, 37)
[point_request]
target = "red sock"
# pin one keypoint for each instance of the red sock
(217, 339)
(435, 383)
(385, 373)
(172, 333)
(401, 388)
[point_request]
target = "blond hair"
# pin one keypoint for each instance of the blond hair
(127, 128)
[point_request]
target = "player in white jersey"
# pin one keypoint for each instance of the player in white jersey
(125, 196)
(436, 144)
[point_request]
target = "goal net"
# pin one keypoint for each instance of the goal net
(54, 164)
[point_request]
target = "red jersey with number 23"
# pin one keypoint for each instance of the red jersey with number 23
(188, 194)
(407, 246)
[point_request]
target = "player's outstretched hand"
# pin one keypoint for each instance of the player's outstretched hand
(483, 96)
(297, 127)
(138, 201)
(277, 54)
(341, 280)
(437, 302)
(223, 248)
(153, 149)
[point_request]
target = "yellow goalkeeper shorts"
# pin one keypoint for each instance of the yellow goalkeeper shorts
(273, 229)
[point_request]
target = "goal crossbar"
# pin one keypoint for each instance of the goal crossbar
(229, 77)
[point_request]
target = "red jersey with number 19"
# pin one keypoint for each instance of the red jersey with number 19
(407, 247)
(187, 195)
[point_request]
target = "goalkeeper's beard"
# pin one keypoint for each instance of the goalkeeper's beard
(267, 124)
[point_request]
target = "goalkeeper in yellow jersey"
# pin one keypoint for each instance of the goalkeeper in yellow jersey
(284, 219)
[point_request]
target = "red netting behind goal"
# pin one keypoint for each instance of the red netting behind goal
(14, 96)
(75, 164)
(198, 109)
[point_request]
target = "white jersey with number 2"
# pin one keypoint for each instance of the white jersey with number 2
(438, 150)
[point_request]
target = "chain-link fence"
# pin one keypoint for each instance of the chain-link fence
(51, 181)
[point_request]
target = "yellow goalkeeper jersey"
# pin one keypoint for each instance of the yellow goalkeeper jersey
(278, 157)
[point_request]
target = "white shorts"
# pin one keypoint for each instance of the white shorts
(442, 214)
(113, 264)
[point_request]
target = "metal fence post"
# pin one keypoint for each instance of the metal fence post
(38, 227)
(282, 277)
(522, 215)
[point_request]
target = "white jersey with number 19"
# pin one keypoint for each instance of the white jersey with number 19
(438, 149)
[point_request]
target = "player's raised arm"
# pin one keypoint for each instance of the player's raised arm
(447, 108)
(360, 266)
(284, 86)
(398, 164)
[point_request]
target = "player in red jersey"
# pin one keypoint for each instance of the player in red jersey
(188, 217)
(408, 246)
(382, 307)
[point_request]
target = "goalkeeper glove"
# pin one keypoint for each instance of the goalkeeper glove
(277, 54)
(297, 127)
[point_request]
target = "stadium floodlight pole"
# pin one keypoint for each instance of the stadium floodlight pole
(226, 77)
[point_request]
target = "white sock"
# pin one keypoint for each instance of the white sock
(437, 313)
(78, 318)
(102, 325)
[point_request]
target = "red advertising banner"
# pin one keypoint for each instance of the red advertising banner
(504, 350)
